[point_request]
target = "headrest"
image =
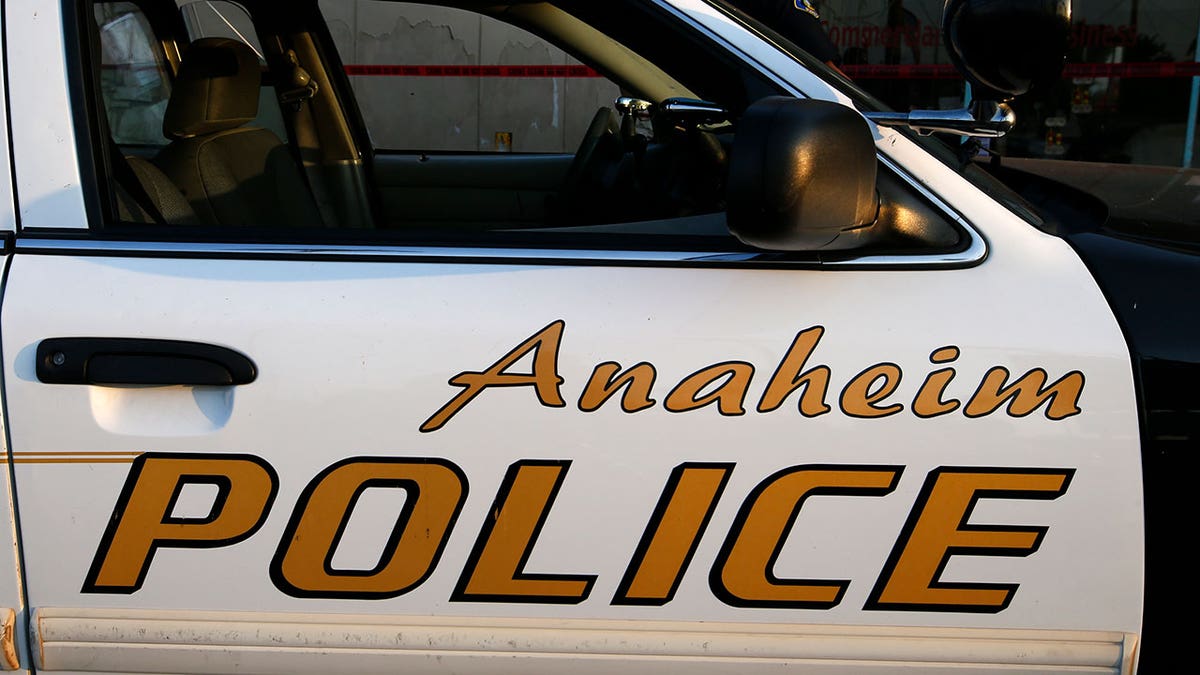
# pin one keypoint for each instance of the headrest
(217, 89)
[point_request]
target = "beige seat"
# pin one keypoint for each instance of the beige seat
(230, 173)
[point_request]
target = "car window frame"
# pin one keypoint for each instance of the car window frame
(332, 243)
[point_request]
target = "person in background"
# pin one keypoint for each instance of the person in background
(798, 21)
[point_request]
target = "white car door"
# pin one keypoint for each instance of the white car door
(538, 458)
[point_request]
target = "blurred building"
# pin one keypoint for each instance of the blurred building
(438, 79)
(478, 84)
(1125, 97)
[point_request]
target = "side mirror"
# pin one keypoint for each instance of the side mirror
(1006, 47)
(802, 176)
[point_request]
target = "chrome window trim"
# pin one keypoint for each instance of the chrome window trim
(30, 245)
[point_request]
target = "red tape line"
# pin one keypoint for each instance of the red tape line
(471, 71)
(1168, 69)
(1150, 70)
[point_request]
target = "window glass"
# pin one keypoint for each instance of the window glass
(1126, 95)
(133, 75)
(443, 79)
(461, 88)
(219, 18)
(501, 131)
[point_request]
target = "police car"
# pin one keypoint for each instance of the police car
(759, 378)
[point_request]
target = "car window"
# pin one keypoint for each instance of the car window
(478, 124)
(541, 80)
(445, 79)
(134, 77)
(222, 19)
(219, 18)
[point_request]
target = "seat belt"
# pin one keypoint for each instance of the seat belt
(305, 143)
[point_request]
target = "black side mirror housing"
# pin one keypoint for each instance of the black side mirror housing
(1006, 47)
(802, 176)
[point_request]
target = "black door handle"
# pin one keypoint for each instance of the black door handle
(135, 361)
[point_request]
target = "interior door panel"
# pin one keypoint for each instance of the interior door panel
(465, 189)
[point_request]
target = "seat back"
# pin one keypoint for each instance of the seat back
(231, 174)
(146, 196)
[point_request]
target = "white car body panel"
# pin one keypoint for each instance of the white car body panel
(8, 215)
(44, 149)
(330, 389)
(355, 356)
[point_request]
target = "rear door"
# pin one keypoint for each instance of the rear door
(529, 458)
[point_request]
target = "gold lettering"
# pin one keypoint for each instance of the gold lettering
(788, 378)
(938, 529)
(142, 520)
(673, 534)
(435, 491)
(861, 396)
(608, 379)
(744, 576)
(495, 572)
(928, 402)
(1027, 394)
(544, 379)
(732, 382)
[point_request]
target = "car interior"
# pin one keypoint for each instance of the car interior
(262, 133)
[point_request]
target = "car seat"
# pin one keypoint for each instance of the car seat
(232, 174)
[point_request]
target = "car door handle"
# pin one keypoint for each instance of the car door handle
(128, 361)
